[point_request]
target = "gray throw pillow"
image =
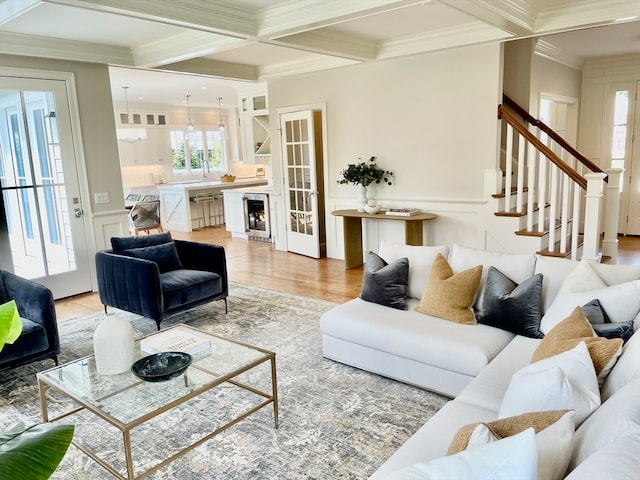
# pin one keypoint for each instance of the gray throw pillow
(164, 255)
(602, 325)
(120, 244)
(385, 283)
(512, 307)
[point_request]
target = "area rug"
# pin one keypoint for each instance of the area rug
(336, 422)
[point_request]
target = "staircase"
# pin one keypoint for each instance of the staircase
(551, 193)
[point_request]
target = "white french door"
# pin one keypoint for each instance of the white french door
(42, 234)
(304, 226)
(630, 198)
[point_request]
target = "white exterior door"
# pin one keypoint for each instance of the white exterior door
(630, 198)
(300, 183)
(42, 233)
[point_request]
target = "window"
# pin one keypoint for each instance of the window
(619, 136)
(198, 146)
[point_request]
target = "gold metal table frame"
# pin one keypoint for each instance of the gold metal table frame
(59, 378)
(353, 231)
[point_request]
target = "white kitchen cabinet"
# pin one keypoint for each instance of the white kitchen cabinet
(254, 126)
(234, 213)
(155, 149)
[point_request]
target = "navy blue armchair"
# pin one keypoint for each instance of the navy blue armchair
(39, 338)
(156, 276)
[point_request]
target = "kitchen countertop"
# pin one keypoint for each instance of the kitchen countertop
(198, 184)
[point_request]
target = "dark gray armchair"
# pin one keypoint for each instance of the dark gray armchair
(39, 338)
(155, 276)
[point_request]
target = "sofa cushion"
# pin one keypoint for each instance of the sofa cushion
(183, 287)
(617, 418)
(164, 255)
(385, 283)
(564, 381)
(420, 261)
(120, 244)
(615, 461)
(518, 267)
(31, 341)
(509, 458)
(626, 369)
(554, 429)
(465, 349)
(576, 329)
(450, 295)
(512, 307)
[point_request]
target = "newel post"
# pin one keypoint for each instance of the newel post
(593, 202)
(612, 214)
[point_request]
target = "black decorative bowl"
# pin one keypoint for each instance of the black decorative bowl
(160, 367)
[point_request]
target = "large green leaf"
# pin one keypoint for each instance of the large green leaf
(33, 452)
(10, 323)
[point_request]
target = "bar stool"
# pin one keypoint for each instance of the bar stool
(202, 199)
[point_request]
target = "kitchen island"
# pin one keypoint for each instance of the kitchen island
(196, 204)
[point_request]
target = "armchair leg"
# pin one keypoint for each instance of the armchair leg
(225, 306)
(105, 309)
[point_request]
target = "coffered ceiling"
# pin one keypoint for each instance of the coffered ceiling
(253, 40)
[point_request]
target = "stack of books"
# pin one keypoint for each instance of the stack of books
(175, 340)
(403, 212)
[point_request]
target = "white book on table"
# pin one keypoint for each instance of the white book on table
(402, 212)
(175, 340)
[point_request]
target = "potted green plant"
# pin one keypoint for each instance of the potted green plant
(30, 452)
(363, 175)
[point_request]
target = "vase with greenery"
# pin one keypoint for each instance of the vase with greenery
(30, 452)
(363, 175)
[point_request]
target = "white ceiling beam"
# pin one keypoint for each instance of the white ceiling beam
(555, 54)
(331, 43)
(213, 68)
(33, 46)
(305, 65)
(182, 47)
(206, 15)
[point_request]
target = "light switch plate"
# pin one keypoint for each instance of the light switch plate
(102, 197)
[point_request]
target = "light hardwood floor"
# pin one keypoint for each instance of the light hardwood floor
(258, 263)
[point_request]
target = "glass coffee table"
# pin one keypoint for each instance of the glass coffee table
(125, 402)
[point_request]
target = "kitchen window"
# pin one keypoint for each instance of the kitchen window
(200, 151)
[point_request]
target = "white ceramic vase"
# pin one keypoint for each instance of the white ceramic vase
(113, 345)
(362, 197)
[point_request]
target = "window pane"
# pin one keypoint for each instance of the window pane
(178, 151)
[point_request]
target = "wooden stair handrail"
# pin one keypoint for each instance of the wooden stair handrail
(557, 138)
(575, 176)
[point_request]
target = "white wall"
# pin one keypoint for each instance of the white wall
(431, 119)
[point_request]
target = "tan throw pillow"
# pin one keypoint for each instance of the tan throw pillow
(449, 296)
(506, 427)
(573, 330)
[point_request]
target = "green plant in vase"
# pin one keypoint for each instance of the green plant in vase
(363, 175)
(29, 452)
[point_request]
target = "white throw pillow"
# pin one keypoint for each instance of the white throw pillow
(626, 369)
(615, 461)
(517, 266)
(420, 261)
(507, 459)
(621, 302)
(617, 417)
(581, 278)
(554, 272)
(564, 381)
(554, 444)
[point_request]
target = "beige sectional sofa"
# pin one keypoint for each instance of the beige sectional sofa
(475, 364)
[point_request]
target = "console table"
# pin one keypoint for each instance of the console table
(353, 231)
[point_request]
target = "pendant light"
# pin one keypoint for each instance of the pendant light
(130, 134)
(190, 126)
(220, 123)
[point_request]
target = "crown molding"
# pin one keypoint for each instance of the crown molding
(548, 51)
(12, 9)
(442, 39)
(47, 47)
(306, 65)
(515, 17)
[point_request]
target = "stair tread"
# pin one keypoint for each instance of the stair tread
(512, 212)
(545, 229)
(514, 190)
(556, 249)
